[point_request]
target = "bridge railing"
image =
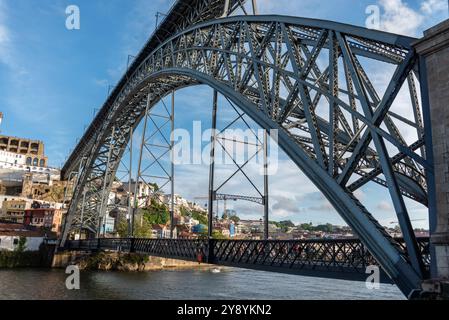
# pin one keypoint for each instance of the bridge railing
(91, 244)
(170, 248)
(121, 245)
(173, 248)
(348, 253)
(342, 254)
(333, 258)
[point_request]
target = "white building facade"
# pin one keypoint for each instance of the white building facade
(9, 158)
(11, 242)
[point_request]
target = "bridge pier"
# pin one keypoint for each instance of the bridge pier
(433, 49)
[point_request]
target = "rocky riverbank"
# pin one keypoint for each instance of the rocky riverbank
(123, 262)
(27, 259)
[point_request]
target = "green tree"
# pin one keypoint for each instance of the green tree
(21, 246)
(235, 219)
(155, 187)
(217, 235)
(200, 216)
(142, 228)
(122, 228)
(307, 227)
(287, 223)
(197, 215)
(184, 212)
(325, 228)
(283, 225)
(156, 213)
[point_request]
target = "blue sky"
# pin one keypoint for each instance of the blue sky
(52, 79)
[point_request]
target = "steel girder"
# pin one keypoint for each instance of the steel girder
(271, 67)
(224, 197)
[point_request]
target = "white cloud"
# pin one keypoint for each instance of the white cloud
(8, 55)
(399, 17)
(324, 206)
(141, 24)
(384, 206)
(434, 6)
(359, 194)
(101, 82)
(285, 206)
(4, 35)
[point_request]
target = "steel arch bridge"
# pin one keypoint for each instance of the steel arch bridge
(331, 121)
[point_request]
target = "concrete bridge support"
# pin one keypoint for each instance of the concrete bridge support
(434, 51)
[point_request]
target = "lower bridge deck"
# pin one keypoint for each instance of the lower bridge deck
(337, 259)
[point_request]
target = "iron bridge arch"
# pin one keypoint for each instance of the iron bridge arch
(271, 67)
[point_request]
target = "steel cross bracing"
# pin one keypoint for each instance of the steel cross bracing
(157, 145)
(272, 68)
(220, 138)
(124, 177)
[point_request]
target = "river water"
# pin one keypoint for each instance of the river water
(229, 284)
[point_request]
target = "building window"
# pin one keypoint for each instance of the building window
(29, 160)
(42, 163)
(16, 241)
(35, 162)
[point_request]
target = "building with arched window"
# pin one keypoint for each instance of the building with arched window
(32, 151)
